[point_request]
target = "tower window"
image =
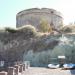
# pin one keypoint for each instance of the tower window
(52, 12)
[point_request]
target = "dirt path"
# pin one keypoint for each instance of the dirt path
(46, 71)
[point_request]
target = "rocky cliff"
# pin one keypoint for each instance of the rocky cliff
(13, 46)
(37, 49)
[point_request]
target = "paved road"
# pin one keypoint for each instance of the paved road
(46, 71)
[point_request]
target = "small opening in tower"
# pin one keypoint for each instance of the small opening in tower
(52, 12)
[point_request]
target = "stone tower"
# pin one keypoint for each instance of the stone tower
(33, 17)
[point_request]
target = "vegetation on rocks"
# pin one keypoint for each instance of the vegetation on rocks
(28, 44)
(68, 29)
(11, 30)
(44, 26)
(27, 28)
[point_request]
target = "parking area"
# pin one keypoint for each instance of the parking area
(47, 71)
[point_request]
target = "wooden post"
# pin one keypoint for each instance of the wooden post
(11, 71)
(16, 69)
(21, 68)
(27, 64)
(3, 73)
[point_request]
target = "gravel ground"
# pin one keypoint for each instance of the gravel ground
(47, 71)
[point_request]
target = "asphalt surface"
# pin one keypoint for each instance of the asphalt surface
(47, 71)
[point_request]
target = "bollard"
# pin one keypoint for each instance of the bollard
(16, 69)
(27, 64)
(20, 68)
(3, 73)
(11, 71)
(23, 67)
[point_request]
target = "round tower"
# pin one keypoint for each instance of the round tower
(33, 17)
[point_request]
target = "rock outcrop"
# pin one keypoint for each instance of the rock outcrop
(38, 50)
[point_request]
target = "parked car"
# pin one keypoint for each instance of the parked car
(69, 66)
(53, 66)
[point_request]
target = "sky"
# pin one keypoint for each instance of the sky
(9, 9)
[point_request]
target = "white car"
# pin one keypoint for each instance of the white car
(53, 66)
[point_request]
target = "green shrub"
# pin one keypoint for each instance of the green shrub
(67, 30)
(44, 26)
(11, 30)
(2, 30)
(27, 29)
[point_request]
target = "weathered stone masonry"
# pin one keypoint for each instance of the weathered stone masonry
(33, 16)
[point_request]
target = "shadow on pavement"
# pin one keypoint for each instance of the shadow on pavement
(72, 72)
